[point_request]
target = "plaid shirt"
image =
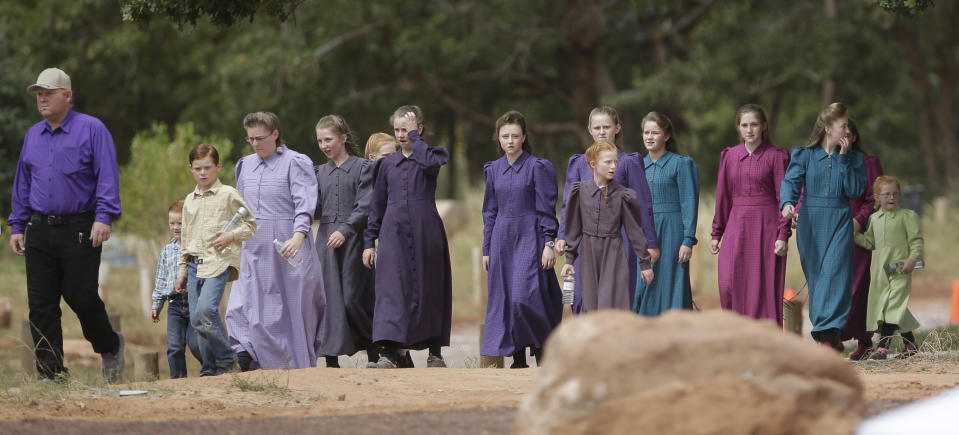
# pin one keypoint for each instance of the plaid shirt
(166, 274)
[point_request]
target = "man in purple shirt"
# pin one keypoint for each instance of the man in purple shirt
(65, 197)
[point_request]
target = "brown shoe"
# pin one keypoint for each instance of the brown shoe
(862, 352)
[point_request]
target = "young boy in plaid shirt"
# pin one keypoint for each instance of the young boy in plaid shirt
(179, 333)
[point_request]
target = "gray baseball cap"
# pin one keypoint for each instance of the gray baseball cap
(51, 78)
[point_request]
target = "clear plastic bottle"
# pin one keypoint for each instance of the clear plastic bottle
(231, 224)
(897, 266)
(294, 261)
(569, 286)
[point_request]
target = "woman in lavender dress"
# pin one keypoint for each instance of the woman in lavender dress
(275, 309)
(519, 225)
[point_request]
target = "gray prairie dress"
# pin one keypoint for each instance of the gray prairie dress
(593, 221)
(344, 205)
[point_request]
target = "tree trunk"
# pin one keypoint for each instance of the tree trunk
(828, 84)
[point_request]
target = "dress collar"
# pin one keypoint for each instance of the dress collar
(347, 164)
(517, 165)
(647, 162)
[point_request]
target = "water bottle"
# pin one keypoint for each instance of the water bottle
(294, 261)
(240, 214)
(569, 285)
(231, 224)
(894, 267)
(897, 266)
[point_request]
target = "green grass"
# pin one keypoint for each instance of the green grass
(260, 382)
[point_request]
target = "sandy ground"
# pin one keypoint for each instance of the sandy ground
(364, 400)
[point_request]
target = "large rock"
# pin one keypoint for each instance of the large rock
(691, 373)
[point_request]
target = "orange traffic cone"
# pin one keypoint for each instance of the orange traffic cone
(954, 309)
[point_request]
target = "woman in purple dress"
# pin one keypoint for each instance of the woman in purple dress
(752, 258)
(861, 208)
(275, 309)
(519, 225)
(414, 291)
(604, 125)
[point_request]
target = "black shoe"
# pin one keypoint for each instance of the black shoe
(434, 361)
(519, 360)
(405, 361)
(243, 359)
(538, 354)
(228, 367)
(332, 362)
(113, 362)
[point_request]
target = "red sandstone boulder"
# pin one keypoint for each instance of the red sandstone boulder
(712, 372)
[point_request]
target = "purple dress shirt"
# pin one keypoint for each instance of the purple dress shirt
(69, 170)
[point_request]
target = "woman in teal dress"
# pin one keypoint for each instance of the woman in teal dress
(831, 172)
(674, 183)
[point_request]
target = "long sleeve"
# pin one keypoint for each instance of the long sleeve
(304, 192)
(866, 239)
(780, 163)
(108, 175)
(186, 218)
(636, 180)
(430, 159)
(490, 207)
(794, 178)
(913, 234)
(687, 179)
(574, 224)
(632, 222)
(852, 172)
(20, 199)
(361, 203)
(723, 201)
(165, 275)
(377, 204)
(873, 171)
(244, 229)
(544, 184)
(572, 176)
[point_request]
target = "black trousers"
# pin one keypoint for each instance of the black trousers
(62, 262)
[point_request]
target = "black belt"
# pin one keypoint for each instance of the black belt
(176, 296)
(56, 221)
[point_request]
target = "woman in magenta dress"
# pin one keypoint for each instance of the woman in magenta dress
(752, 257)
(519, 225)
(861, 208)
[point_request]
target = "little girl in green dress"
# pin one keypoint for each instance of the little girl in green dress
(893, 233)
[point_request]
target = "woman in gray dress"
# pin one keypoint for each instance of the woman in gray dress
(345, 184)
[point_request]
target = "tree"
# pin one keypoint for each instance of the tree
(224, 13)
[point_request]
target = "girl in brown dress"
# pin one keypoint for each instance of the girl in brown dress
(595, 212)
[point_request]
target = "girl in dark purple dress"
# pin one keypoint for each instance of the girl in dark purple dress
(414, 292)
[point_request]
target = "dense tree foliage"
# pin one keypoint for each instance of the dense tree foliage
(466, 62)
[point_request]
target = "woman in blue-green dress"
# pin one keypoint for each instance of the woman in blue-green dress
(831, 172)
(674, 183)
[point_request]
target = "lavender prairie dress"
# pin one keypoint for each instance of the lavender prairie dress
(275, 309)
